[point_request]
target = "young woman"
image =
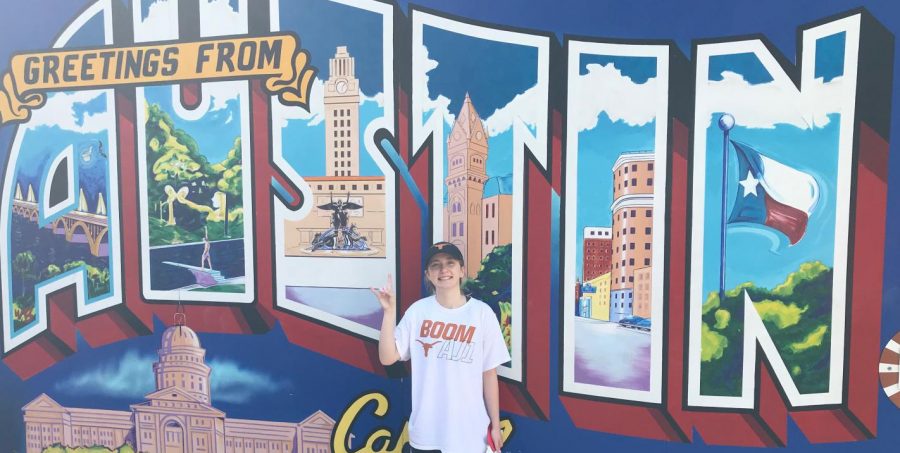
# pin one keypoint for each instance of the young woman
(455, 345)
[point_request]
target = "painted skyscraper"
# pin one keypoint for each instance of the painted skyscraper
(632, 231)
(342, 116)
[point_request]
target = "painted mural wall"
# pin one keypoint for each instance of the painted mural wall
(683, 218)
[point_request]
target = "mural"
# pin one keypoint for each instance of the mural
(344, 237)
(683, 230)
(479, 199)
(192, 164)
(616, 184)
(775, 203)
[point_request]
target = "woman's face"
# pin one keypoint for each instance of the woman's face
(444, 272)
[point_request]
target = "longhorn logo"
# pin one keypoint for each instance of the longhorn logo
(427, 346)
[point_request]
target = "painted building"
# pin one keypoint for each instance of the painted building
(342, 116)
(177, 417)
(370, 220)
(598, 297)
(596, 252)
(342, 180)
(467, 154)
(643, 290)
(496, 206)
(632, 230)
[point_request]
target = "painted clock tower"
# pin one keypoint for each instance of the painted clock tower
(467, 153)
(342, 116)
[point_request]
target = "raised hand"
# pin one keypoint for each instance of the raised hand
(386, 296)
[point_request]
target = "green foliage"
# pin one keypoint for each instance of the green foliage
(51, 271)
(97, 279)
(493, 285)
(175, 155)
(175, 160)
(160, 233)
(796, 313)
(58, 448)
(722, 318)
(506, 324)
(712, 344)
(231, 180)
(239, 288)
(23, 266)
(23, 310)
(493, 282)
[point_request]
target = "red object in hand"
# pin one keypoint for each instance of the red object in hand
(490, 439)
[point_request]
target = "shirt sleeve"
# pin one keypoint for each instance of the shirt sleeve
(495, 351)
(402, 335)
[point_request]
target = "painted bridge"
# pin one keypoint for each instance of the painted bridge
(92, 224)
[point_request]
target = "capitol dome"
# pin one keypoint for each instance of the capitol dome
(181, 361)
(179, 335)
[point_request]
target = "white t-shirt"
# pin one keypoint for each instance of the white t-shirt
(450, 350)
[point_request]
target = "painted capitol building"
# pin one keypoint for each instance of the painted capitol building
(177, 417)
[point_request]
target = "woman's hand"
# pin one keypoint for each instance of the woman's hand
(497, 437)
(386, 296)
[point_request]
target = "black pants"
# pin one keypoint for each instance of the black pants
(416, 450)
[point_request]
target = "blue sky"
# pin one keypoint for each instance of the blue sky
(214, 132)
(491, 72)
(315, 22)
(40, 146)
(829, 62)
(303, 146)
(599, 147)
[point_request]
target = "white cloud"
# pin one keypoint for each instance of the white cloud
(161, 22)
(377, 98)
(59, 111)
(219, 19)
(219, 92)
(316, 113)
(130, 377)
(765, 105)
(233, 384)
(605, 89)
(440, 105)
(525, 106)
(314, 116)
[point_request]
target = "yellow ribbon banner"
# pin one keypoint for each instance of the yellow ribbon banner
(276, 57)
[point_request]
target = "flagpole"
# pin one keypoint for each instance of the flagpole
(726, 122)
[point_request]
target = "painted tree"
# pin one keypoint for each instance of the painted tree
(797, 315)
(23, 265)
(51, 271)
(230, 179)
(176, 159)
(493, 286)
(97, 278)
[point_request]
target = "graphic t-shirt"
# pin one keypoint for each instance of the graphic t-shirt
(450, 350)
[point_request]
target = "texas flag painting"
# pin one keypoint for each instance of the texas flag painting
(772, 193)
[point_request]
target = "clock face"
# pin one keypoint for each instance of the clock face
(341, 86)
